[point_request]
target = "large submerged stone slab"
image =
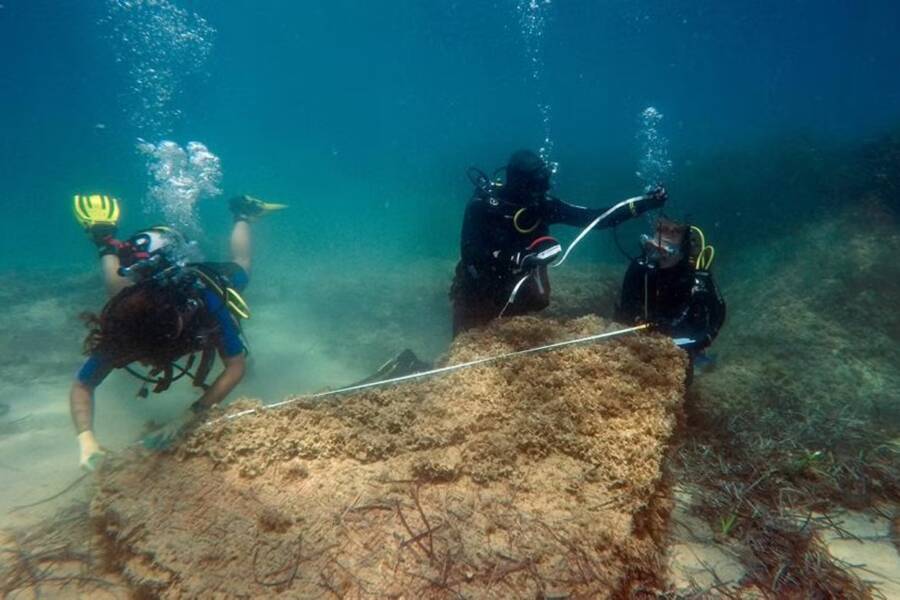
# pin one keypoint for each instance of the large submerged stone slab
(540, 476)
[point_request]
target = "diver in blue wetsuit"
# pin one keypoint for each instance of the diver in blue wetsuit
(163, 308)
(670, 286)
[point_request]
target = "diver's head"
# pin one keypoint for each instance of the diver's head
(527, 178)
(149, 251)
(668, 245)
(145, 322)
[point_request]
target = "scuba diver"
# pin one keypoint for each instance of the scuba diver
(163, 307)
(671, 287)
(506, 245)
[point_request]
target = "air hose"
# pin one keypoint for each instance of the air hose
(706, 254)
(629, 203)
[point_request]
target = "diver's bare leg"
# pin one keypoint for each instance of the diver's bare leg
(115, 283)
(240, 244)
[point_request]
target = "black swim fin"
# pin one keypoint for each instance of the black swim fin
(405, 363)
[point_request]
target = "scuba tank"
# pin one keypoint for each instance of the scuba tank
(162, 256)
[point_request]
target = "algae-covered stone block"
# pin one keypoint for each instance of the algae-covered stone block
(539, 475)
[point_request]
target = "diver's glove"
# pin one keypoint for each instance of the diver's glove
(634, 207)
(91, 453)
(653, 199)
(162, 438)
(104, 238)
(656, 198)
(101, 233)
(540, 252)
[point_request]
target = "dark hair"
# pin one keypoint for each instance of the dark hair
(145, 322)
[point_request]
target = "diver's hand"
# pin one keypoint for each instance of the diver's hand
(162, 438)
(654, 199)
(530, 261)
(101, 233)
(91, 453)
(540, 252)
(633, 207)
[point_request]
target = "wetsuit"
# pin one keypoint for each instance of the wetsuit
(680, 301)
(225, 332)
(492, 237)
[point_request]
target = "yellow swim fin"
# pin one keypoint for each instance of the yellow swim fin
(96, 211)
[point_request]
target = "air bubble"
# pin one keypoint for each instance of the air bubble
(160, 45)
(180, 177)
(654, 165)
(532, 22)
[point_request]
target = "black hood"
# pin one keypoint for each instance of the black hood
(527, 177)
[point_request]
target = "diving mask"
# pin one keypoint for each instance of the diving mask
(657, 249)
(664, 248)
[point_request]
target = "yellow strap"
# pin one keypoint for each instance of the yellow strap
(232, 299)
(210, 282)
(516, 222)
(236, 303)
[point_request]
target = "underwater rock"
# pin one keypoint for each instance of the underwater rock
(524, 477)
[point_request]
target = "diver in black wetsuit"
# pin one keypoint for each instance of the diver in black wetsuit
(670, 286)
(506, 246)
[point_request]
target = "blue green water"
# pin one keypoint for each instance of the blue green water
(364, 116)
(770, 123)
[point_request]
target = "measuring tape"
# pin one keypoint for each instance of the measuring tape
(437, 371)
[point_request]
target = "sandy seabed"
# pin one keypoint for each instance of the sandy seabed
(442, 484)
